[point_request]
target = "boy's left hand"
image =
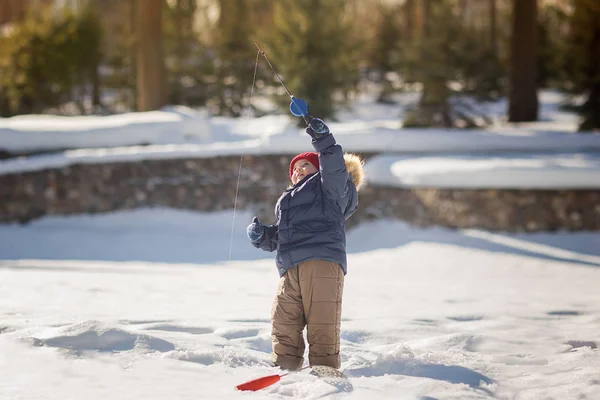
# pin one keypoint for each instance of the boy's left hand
(317, 128)
(255, 230)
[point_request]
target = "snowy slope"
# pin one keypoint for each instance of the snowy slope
(428, 313)
(159, 304)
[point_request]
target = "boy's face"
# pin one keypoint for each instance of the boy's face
(302, 168)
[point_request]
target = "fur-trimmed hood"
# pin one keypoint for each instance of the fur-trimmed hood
(354, 165)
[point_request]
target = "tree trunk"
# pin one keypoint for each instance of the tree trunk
(419, 25)
(523, 102)
(151, 83)
(409, 20)
(592, 107)
(12, 10)
(96, 87)
(493, 29)
(462, 11)
(426, 17)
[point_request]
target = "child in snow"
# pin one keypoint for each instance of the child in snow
(310, 241)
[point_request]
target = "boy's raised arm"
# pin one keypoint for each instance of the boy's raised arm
(331, 158)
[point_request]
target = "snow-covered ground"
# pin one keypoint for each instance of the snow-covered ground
(542, 155)
(149, 304)
(170, 304)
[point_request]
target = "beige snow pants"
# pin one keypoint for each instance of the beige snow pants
(309, 294)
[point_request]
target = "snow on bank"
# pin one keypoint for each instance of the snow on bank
(45, 132)
(171, 125)
(558, 170)
(126, 154)
(505, 171)
(272, 136)
(462, 171)
(365, 137)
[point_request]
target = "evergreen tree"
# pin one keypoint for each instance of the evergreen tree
(188, 66)
(235, 56)
(433, 105)
(310, 45)
(47, 60)
(552, 21)
(384, 50)
(446, 51)
(118, 47)
(409, 14)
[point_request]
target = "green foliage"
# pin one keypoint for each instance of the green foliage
(452, 51)
(46, 58)
(119, 61)
(581, 62)
(317, 46)
(309, 45)
(188, 66)
(449, 58)
(235, 55)
(384, 50)
(576, 61)
(553, 25)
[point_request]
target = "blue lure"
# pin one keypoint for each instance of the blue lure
(298, 107)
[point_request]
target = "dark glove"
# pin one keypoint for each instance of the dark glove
(255, 231)
(317, 129)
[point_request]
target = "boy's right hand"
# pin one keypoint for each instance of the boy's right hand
(255, 231)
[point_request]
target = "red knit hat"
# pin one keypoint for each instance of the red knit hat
(309, 156)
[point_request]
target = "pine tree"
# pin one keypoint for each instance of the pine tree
(433, 104)
(46, 61)
(310, 45)
(235, 56)
(189, 67)
(444, 51)
(384, 50)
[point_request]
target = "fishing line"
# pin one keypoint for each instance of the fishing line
(237, 188)
(298, 107)
(273, 69)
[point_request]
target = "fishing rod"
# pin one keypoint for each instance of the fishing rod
(298, 107)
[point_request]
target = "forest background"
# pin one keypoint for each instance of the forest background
(82, 57)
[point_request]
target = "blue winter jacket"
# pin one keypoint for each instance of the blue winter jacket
(311, 215)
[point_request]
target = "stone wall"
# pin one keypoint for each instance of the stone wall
(209, 184)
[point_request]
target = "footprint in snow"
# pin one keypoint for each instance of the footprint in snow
(240, 333)
(466, 318)
(178, 328)
(142, 321)
(575, 344)
(425, 321)
(564, 313)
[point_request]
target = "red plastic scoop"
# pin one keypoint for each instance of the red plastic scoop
(259, 383)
